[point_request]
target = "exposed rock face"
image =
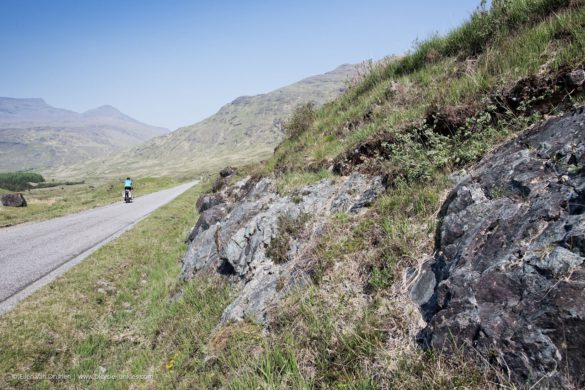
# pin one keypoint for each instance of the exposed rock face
(207, 219)
(233, 237)
(208, 201)
(13, 200)
(508, 276)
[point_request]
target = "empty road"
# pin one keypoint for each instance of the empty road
(34, 254)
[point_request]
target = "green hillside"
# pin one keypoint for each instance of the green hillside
(443, 105)
(243, 131)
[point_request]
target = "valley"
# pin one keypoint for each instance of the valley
(242, 132)
(421, 226)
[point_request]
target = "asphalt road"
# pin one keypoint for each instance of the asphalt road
(34, 254)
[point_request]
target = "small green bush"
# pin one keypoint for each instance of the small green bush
(302, 118)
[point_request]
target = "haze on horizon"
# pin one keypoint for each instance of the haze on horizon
(174, 64)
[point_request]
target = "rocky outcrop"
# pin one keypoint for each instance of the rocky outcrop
(208, 201)
(207, 219)
(257, 238)
(13, 200)
(508, 276)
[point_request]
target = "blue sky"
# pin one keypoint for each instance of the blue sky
(173, 63)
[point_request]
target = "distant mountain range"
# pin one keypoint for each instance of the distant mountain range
(37, 136)
(245, 130)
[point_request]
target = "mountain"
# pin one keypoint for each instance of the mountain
(106, 112)
(35, 135)
(245, 130)
(254, 120)
(25, 112)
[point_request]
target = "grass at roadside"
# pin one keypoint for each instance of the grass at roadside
(47, 203)
(112, 314)
(118, 314)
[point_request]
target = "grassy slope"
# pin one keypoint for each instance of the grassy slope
(353, 328)
(47, 203)
(393, 98)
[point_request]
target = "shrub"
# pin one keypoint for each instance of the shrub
(19, 181)
(302, 118)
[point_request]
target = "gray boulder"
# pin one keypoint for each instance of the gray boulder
(13, 200)
(508, 276)
(201, 254)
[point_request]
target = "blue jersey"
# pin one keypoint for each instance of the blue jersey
(128, 183)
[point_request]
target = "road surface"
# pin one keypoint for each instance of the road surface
(34, 254)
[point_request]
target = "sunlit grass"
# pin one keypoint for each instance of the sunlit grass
(397, 94)
(113, 312)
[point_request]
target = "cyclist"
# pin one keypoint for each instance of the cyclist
(128, 186)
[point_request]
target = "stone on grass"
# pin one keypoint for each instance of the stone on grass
(13, 200)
